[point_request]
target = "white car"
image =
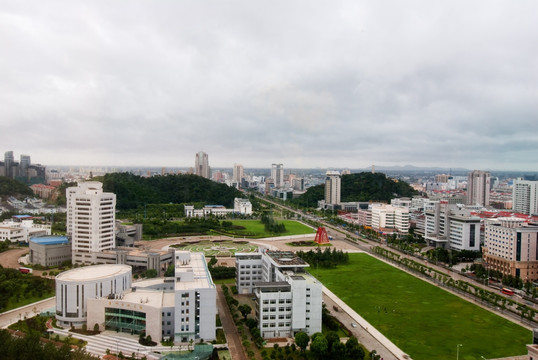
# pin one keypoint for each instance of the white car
(353, 325)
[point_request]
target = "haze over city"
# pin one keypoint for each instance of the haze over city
(308, 84)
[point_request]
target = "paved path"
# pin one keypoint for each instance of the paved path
(12, 316)
(10, 258)
(232, 335)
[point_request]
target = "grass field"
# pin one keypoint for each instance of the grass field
(424, 321)
(255, 228)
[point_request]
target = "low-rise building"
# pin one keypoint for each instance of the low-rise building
(50, 250)
(288, 299)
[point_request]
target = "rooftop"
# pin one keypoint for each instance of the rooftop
(286, 258)
(50, 240)
(95, 272)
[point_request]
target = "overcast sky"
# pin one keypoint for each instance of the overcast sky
(304, 83)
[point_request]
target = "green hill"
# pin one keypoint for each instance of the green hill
(10, 187)
(133, 191)
(363, 186)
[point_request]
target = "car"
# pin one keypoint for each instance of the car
(354, 325)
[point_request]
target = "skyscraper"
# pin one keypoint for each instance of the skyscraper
(201, 165)
(238, 173)
(277, 174)
(91, 217)
(8, 164)
(332, 187)
(24, 166)
(525, 196)
(478, 186)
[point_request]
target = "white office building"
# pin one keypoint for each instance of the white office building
(91, 217)
(450, 227)
(332, 187)
(288, 299)
(76, 286)
(525, 196)
(387, 217)
(181, 308)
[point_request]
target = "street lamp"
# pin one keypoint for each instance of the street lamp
(458, 351)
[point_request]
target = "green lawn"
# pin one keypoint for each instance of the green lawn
(424, 321)
(258, 229)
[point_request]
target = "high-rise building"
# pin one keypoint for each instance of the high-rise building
(277, 174)
(478, 187)
(24, 166)
(332, 187)
(510, 246)
(91, 215)
(201, 165)
(525, 196)
(8, 164)
(238, 173)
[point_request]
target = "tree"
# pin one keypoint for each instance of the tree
(337, 351)
(319, 346)
(245, 310)
(353, 349)
(302, 339)
(332, 338)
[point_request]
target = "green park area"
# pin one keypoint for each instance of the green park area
(256, 229)
(226, 248)
(423, 320)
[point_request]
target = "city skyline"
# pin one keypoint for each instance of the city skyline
(310, 85)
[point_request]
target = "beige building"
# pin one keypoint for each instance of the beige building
(510, 246)
(478, 187)
(332, 187)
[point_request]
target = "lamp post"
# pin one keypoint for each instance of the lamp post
(458, 351)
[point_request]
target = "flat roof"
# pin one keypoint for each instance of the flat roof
(286, 258)
(50, 240)
(94, 272)
(201, 277)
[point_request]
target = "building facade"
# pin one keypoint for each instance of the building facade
(448, 227)
(332, 187)
(511, 247)
(288, 299)
(74, 288)
(525, 196)
(387, 217)
(50, 250)
(91, 217)
(180, 308)
(478, 187)
(277, 174)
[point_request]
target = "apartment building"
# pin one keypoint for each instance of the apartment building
(525, 196)
(387, 217)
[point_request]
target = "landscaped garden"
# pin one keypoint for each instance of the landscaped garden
(225, 248)
(421, 319)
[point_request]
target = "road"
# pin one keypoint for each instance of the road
(10, 258)
(232, 335)
(12, 316)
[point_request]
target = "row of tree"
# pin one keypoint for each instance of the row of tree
(271, 225)
(325, 259)
(329, 346)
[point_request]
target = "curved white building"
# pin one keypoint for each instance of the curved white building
(75, 286)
